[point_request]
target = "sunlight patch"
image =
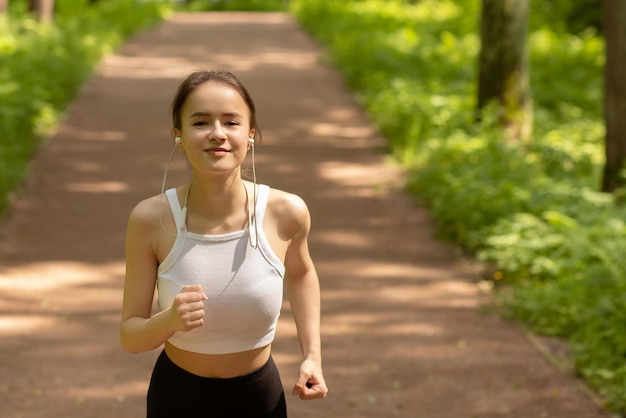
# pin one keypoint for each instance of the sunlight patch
(24, 324)
(97, 187)
(55, 275)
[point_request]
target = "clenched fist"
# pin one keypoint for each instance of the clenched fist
(187, 310)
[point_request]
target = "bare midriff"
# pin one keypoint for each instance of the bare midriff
(221, 366)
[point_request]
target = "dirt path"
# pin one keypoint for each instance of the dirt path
(404, 332)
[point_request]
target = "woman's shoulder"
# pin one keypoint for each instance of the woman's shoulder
(150, 210)
(286, 203)
(289, 210)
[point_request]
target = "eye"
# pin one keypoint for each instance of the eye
(232, 123)
(199, 123)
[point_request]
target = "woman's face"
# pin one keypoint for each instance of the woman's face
(215, 127)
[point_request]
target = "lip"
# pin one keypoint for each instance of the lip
(217, 150)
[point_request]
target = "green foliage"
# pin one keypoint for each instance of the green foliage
(483, 175)
(43, 65)
(560, 65)
(408, 62)
(236, 5)
(574, 16)
(530, 209)
(585, 301)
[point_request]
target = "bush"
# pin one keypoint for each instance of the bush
(45, 64)
(239, 5)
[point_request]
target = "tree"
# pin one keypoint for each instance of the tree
(503, 65)
(3, 6)
(614, 22)
(43, 9)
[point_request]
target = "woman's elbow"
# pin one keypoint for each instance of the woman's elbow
(128, 343)
(127, 346)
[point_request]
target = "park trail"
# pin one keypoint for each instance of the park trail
(405, 328)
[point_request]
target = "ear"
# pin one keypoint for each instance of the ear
(252, 132)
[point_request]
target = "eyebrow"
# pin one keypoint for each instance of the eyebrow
(228, 114)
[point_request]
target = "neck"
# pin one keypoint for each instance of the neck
(218, 197)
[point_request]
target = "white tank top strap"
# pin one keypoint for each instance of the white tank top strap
(177, 212)
(261, 203)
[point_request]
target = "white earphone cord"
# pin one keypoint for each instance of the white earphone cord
(254, 242)
(167, 165)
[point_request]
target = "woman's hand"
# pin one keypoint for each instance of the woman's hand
(310, 383)
(187, 310)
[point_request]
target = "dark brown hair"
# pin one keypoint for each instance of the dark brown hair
(199, 77)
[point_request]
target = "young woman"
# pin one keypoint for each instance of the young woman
(218, 249)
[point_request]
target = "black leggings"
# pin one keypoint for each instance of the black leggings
(176, 393)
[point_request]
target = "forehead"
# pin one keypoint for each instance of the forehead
(215, 97)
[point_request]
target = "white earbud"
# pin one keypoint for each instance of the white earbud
(251, 141)
(177, 140)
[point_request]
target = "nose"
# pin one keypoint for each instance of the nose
(217, 132)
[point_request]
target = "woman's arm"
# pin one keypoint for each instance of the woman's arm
(140, 330)
(304, 297)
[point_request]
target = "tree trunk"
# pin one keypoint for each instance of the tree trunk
(43, 9)
(615, 94)
(503, 65)
(3, 6)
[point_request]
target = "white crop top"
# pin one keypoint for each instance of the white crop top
(244, 285)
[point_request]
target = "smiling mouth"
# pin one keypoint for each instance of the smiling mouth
(216, 150)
